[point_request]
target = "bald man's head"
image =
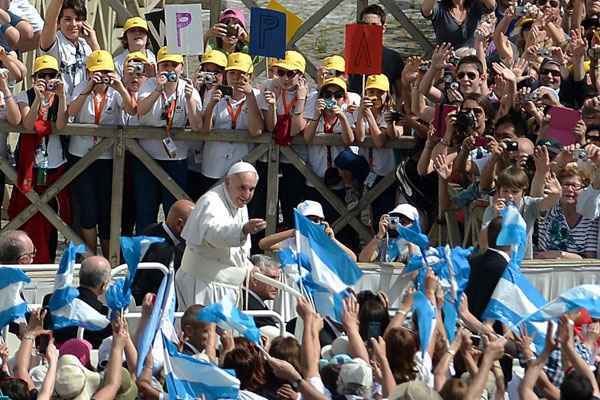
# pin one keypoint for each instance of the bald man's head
(178, 215)
(95, 274)
(16, 248)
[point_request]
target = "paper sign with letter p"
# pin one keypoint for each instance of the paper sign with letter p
(267, 33)
(363, 49)
(184, 28)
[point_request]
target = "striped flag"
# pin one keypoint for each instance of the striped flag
(12, 305)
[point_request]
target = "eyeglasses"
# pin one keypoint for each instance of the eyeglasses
(574, 186)
(470, 75)
(290, 74)
(327, 94)
(476, 111)
(551, 3)
(31, 254)
(47, 75)
(553, 72)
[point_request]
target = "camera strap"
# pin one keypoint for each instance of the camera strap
(233, 115)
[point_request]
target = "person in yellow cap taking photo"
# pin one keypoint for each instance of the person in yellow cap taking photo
(99, 100)
(135, 38)
(230, 107)
(166, 101)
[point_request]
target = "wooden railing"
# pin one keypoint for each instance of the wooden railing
(122, 139)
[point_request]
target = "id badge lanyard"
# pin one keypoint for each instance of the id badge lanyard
(234, 114)
(287, 107)
(98, 110)
(169, 112)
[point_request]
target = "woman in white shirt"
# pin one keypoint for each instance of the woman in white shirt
(210, 76)
(376, 120)
(41, 159)
(165, 101)
(99, 100)
(283, 111)
(237, 110)
(135, 38)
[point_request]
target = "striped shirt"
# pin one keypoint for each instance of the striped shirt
(554, 233)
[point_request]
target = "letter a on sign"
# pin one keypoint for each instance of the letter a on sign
(363, 49)
(184, 27)
(267, 33)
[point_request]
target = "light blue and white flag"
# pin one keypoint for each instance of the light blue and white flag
(189, 378)
(66, 309)
(513, 233)
(413, 234)
(228, 316)
(12, 305)
(425, 313)
(584, 296)
(118, 295)
(513, 300)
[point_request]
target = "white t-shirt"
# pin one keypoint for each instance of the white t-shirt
(300, 149)
(71, 59)
(111, 115)
(119, 60)
(318, 154)
(381, 161)
(25, 10)
(217, 157)
(56, 158)
(155, 147)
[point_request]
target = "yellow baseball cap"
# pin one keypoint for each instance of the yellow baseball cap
(335, 81)
(216, 57)
(164, 55)
(335, 62)
(240, 62)
(136, 55)
(100, 60)
(379, 81)
(45, 62)
(293, 61)
(135, 22)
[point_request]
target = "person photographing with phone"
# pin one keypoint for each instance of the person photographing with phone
(99, 100)
(231, 107)
(217, 235)
(167, 101)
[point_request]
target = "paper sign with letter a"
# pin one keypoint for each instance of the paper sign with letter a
(184, 28)
(292, 21)
(363, 49)
(267, 33)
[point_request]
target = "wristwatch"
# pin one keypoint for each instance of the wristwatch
(296, 384)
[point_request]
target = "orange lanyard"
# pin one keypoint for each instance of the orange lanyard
(287, 107)
(99, 107)
(234, 114)
(170, 111)
(328, 124)
(45, 107)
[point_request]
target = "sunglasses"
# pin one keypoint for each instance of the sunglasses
(554, 73)
(594, 139)
(551, 3)
(315, 219)
(47, 75)
(282, 72)
(470, 75)
(327, 94)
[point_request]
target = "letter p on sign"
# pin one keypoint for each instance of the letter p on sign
(267, 33)
(184, 27)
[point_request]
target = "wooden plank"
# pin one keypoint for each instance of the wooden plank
(272, 189)
(314, 20)
(407, 24)
(360, 5)
(38, 205)
(331, 197)
(134, 8)
(250, 3)
(121, 11)
(156, 170)
(61, 183)
(366, 200)
(116, 204)
(215, 11)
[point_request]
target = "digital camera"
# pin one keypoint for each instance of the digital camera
(465, 121)
(207, 78)
(106, 79)
(170, 76)
(330, 103)
(51, 86)
(544, 52)
(394, 222)
(138, 67)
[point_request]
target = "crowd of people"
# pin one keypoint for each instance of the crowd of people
(505, 113)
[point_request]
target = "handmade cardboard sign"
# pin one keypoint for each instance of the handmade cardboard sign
(363, 49)
(267, 33)
(184, 28)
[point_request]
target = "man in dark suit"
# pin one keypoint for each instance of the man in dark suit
(94, 278)
(260, 292)
(148, 280)
(486, 270)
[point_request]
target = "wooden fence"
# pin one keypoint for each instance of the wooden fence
(122, 139)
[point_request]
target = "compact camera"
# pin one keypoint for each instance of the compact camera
(465, 121)
(330, 104)
(170, 76)
(207, 78)
(394, 222)
(138, 67)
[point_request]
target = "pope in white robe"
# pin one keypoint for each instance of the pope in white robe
(217, 234)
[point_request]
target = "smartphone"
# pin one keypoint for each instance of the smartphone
(42, 341)
(226, 90)
(562, 122)
(439, 118)
(373, 329)
(476, 340)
